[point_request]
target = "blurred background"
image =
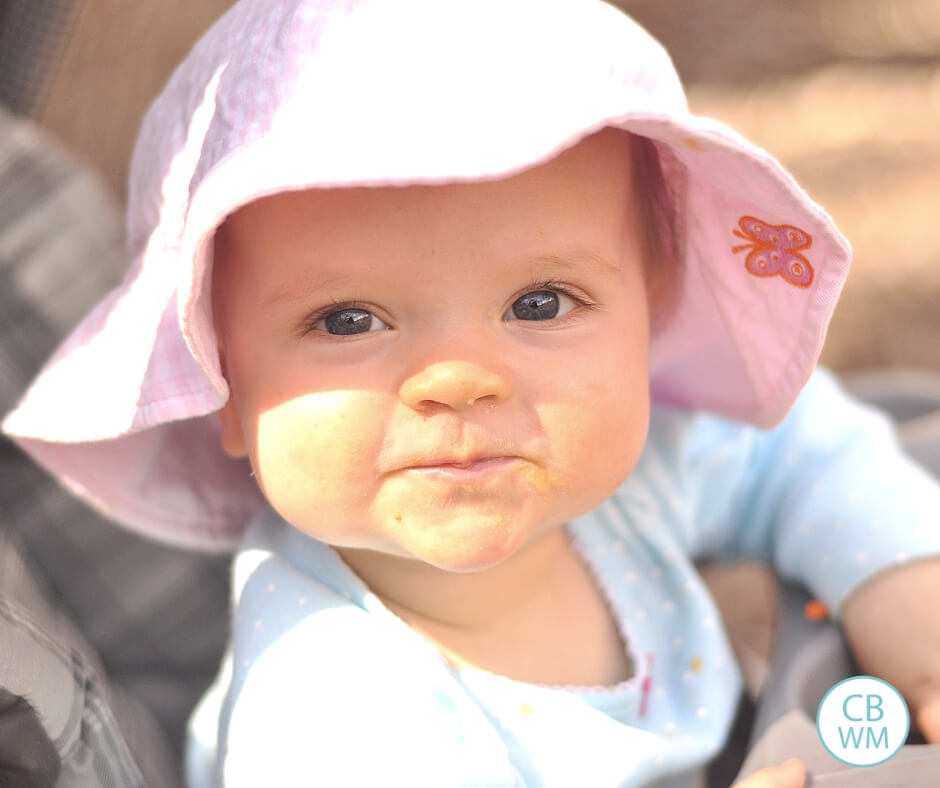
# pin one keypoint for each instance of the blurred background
(845, 92)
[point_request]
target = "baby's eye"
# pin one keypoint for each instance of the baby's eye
(351, 320)
(540, 305)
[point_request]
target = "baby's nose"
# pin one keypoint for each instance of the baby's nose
(456, 384)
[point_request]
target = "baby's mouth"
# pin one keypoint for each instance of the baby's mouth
(463, 470)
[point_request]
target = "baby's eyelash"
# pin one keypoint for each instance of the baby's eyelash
(575, 294)
(311, 321)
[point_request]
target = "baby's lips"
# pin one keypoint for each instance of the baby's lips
(460, 462)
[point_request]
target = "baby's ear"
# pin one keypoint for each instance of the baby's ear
(233, 439)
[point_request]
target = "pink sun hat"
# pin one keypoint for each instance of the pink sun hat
(295, 94)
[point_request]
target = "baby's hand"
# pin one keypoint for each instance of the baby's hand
(892, 623)
(790, 774)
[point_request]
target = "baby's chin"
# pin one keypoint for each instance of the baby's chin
(466, 542)
(486, 548)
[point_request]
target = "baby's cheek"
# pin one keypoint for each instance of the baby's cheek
(594, 449)
(614, 448)
(608, 431)
(314, 453)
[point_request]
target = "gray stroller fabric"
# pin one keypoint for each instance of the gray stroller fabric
(101, 738)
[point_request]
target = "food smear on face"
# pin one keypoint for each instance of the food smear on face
(541, 479)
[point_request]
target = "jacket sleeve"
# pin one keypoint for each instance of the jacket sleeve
(828, 496)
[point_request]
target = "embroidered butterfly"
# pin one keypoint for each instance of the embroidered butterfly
(775, 249)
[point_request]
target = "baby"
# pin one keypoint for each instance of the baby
(492, 324)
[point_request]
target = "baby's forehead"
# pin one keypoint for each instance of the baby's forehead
(594, 171)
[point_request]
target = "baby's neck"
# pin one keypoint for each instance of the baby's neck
(464, 600)
(537, 617)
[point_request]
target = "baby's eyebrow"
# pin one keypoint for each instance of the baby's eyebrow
(565, 262)
(579, 258)
(299, 291)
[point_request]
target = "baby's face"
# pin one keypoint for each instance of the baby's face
(439, 372)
